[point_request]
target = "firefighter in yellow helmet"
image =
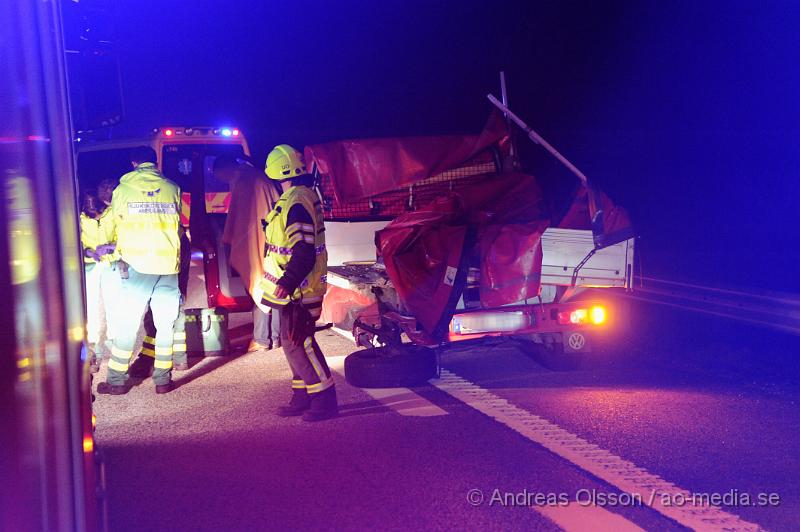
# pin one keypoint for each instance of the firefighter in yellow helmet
(294, 282)
(146, 209)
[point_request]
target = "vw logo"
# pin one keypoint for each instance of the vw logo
(577, 341)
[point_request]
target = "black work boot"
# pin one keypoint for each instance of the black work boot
(105, 388)
(165, 388)
(142, 367)
(299, 403)
(323, 406)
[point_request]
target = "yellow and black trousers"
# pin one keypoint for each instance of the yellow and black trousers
(310, 371)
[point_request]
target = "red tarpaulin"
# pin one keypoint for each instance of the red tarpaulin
(363, 168)
(427, 252)
(614, 224)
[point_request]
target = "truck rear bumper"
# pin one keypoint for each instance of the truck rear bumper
(574, 324)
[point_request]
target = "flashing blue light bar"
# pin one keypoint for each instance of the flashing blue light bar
(226, 132)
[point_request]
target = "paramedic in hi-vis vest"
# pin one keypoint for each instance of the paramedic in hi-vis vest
(102, 278)
(146, 208)
(294, 282)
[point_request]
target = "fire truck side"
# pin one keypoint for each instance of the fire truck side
(52, 476)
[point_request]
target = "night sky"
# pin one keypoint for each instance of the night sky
(685, 112)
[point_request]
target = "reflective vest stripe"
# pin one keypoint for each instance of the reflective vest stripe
(158, 226)
(271, 278)
(288, 252)
(308, 228)
(297, 237)
(271, 301)
(149, 252)
(281, 251)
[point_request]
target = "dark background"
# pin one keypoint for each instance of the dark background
(685, 112)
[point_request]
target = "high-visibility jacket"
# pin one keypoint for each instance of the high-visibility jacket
(96, 232)
(280, 239)
(146, 208)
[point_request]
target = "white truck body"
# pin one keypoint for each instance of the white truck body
(562, 249)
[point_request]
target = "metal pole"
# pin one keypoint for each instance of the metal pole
(504, 94)
(535, 137)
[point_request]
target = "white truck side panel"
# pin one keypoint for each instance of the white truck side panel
(351, 241)
(564, 249)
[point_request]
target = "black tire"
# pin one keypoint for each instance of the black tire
(554, 357)
(391, 367)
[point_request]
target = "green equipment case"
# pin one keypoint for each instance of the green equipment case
(207, 332)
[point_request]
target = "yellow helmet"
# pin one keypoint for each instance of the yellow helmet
(284, 162)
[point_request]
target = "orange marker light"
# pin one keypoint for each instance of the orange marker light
(597, 315)
(88, 444)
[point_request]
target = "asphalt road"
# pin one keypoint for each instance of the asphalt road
(499, 443)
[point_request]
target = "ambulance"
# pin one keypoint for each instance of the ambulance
(186, 155)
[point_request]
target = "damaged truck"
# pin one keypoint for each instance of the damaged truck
(434, 240)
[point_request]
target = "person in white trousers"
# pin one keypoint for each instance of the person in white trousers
(102, 278)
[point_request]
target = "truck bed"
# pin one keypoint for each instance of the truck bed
(562, 249)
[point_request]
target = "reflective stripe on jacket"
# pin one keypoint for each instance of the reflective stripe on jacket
(280, 240)
(146, 208)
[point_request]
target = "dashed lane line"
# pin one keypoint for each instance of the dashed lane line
(578, 518)
(654, 491)
(402, 400)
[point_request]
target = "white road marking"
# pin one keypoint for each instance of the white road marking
(622, 474)
(342, 332)
(404, 401)
(578, 518)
